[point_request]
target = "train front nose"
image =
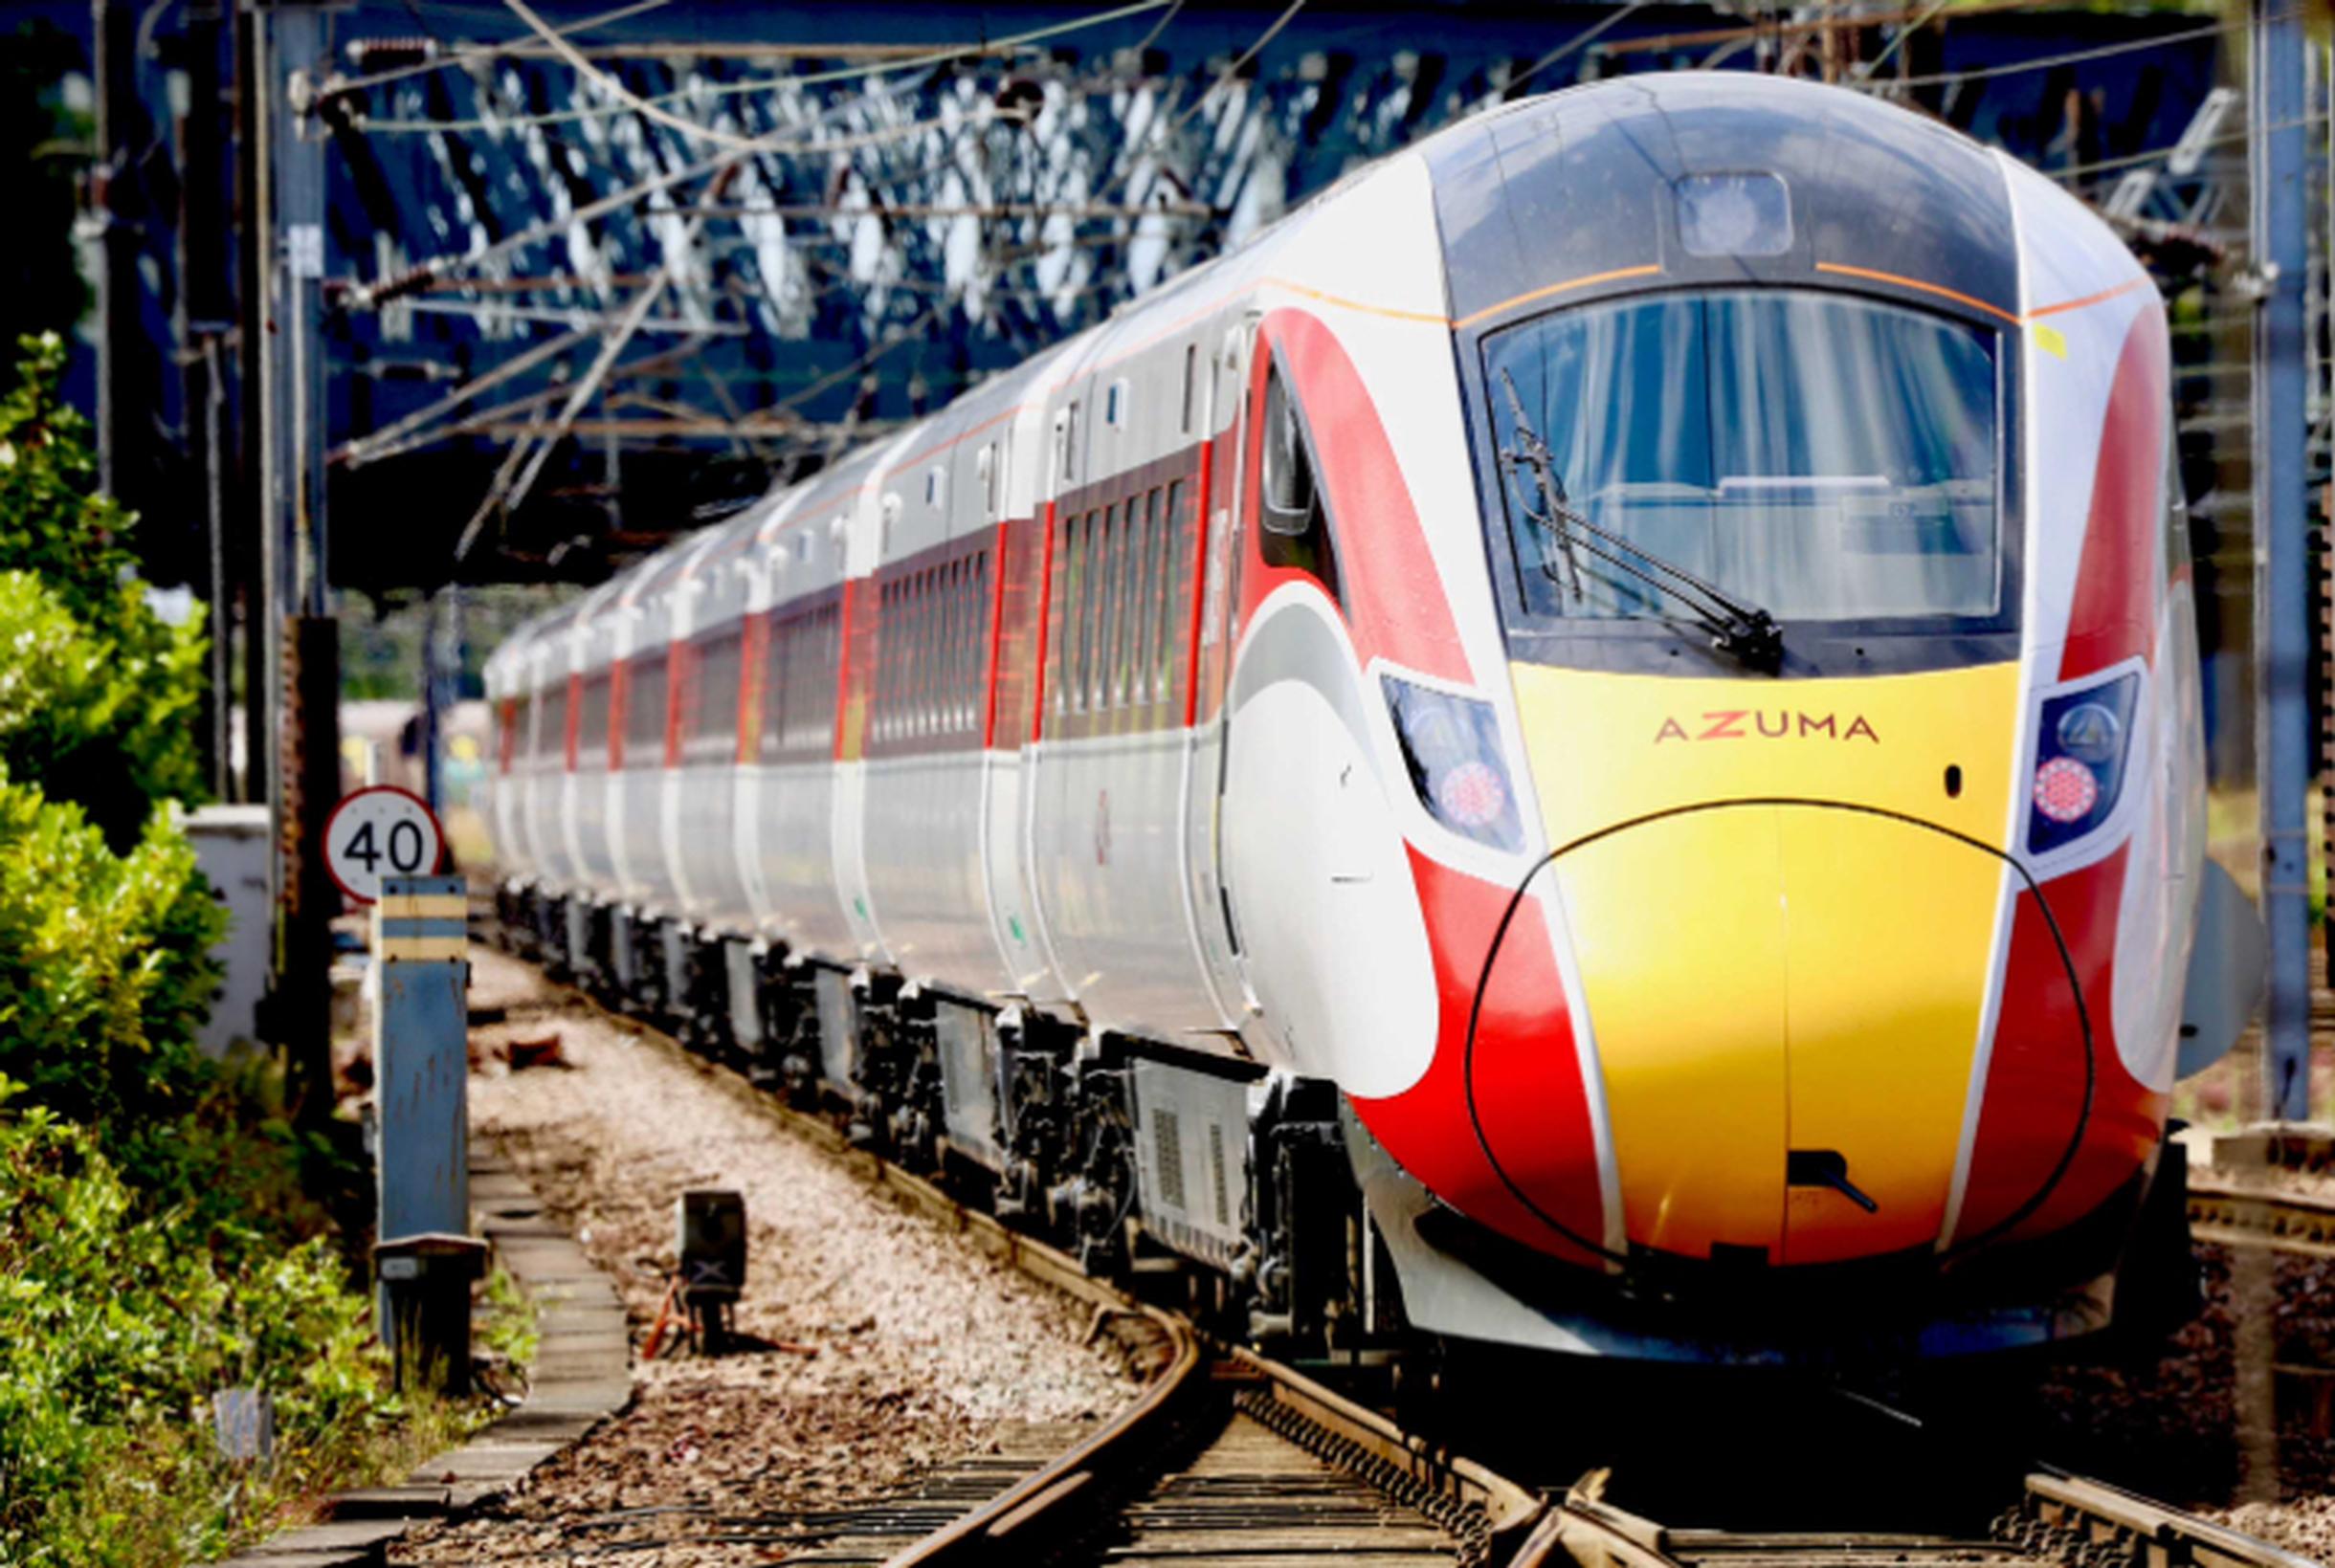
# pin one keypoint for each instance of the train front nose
(1784, 1001)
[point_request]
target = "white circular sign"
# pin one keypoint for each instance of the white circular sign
(380, 831)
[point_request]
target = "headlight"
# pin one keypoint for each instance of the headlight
(1451, 746)
(2081, 753)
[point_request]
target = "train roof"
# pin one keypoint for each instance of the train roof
(1554, 192)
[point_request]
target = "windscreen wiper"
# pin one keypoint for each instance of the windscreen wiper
(1736, 625)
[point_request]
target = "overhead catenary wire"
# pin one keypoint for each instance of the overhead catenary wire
(478, 310)
(364, 448)
(467, 54)
(2047, 62)
(1578, 42)
(413, 438)
(858, 367)
(2228, 139)
(772, 84)
(369, 296)
(1864, 72)
(1159, 27)
(410, 438)
(515, 478)
(611, 85)
(1126, 172)
(1224, 78)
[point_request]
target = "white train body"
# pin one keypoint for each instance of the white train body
(1053, 777)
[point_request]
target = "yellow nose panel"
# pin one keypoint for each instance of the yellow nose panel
(1889, 946)
(1767, 978)
(1651, 743)
(1684, 973)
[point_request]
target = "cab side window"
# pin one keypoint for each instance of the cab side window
(1294, 525)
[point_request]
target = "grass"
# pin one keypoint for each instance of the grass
(162, 1502)
(509, 1329)
(295, 1488)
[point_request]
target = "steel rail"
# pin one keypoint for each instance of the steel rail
(2121, 1525)
(1015, 1519)
(2235, 1214)
(2059, 1518)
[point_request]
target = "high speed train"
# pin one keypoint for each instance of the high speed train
(1592, 742)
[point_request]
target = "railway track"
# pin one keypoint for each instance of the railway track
(2235, 1214)
(1229, 1457)
(2061, 1520)
(1222, 1445)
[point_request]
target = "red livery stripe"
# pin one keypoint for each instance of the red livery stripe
(2036, 1079)
(1527, 1077)
(1392, 595)
(2114, 614)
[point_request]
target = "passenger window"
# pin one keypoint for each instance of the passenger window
(1066, 594)
(1143, 679)
(1171, 552)
(976, 689)
(1081, 612)
(1127, 599)
(1114, 588)
(887, 669)
(952, 648)
(928, 614)
(929, 617)
(1139, 599)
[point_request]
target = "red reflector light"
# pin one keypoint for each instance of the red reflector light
(2065, 791)
(1472, 795)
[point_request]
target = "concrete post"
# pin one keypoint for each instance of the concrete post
(422, 1077)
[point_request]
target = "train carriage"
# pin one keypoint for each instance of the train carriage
(1590, 743)
(699, 811)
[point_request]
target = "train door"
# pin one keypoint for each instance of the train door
(1213, 916)
(1044, 792)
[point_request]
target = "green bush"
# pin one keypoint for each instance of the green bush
(105, 973)
(156, 1243)
(116, 1326)
(98, 696)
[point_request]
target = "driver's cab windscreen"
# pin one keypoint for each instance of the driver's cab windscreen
(1827, 457)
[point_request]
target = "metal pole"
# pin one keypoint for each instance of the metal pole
(433, 698)
(2323, 384)
(112, 37)
(269, 698)
(2283, 557)
(205, 306)
(303, 42)
(304, 673)
(253, 558)
(222, 600)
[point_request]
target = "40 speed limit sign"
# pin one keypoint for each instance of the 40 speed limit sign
(380, 831)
